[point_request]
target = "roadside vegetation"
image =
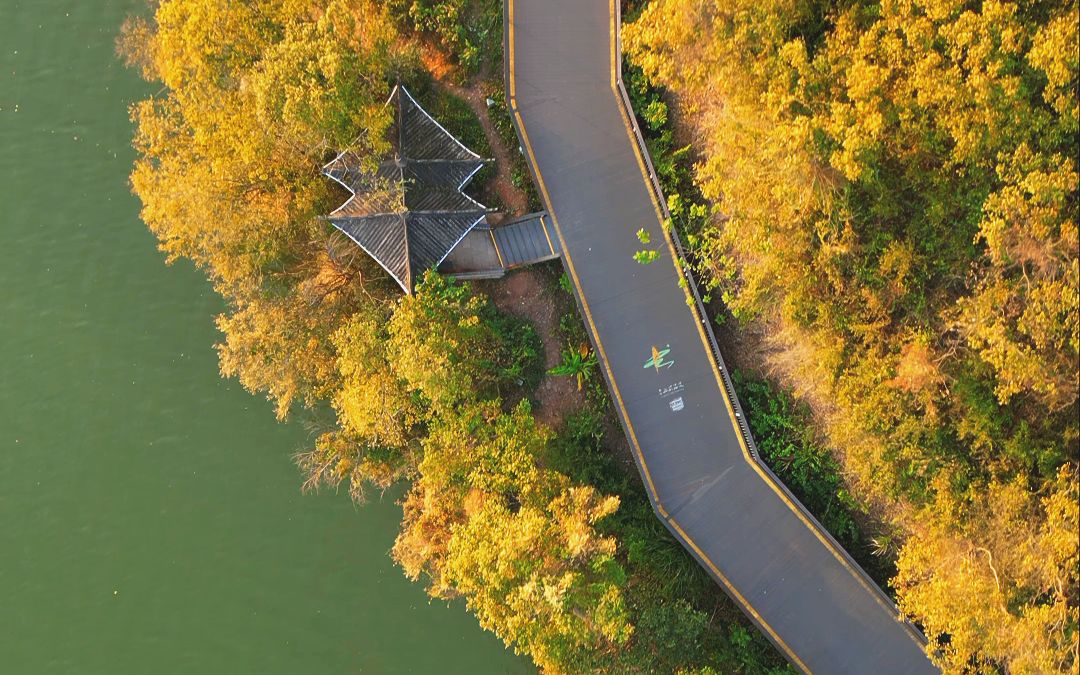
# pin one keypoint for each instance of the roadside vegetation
(889, 192)
(893, 199)
(543, 533)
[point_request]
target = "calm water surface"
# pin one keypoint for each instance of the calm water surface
(150, 520)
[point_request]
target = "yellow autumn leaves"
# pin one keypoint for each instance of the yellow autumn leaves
(900, 192)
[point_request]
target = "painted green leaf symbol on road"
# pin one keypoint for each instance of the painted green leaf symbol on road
(658, 358)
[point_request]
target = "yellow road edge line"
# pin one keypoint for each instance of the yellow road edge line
(615, 83)
(510, 25)
(497, 251)
(739, 598)
(546, 235)
(875, 592)
(573, 275)
(592, 324)
(633, 436)
(607, 366)
(651, 487)
(747, 606)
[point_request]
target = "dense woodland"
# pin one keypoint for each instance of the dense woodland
(538, 530)
(889, 189)
(892, 192)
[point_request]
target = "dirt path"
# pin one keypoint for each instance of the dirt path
(527, 294)
(513, 198)
(524, 293)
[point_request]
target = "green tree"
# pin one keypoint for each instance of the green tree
(443, 345)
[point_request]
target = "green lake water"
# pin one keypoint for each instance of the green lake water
(150, 516)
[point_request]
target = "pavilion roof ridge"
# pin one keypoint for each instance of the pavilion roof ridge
(428, 168)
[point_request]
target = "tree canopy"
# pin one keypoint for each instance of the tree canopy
(255, 95)
(893, 188)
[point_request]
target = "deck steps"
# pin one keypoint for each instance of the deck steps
(525, 241)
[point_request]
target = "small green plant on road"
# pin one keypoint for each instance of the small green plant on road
(647, 256)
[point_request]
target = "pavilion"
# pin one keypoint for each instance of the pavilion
(412, 211)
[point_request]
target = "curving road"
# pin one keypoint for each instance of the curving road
(659, 358)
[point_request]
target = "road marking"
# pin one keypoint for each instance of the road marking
(497, 251)
(671, 389)
(547, 236)
(615, 84)
(657, 358)
(668, 237)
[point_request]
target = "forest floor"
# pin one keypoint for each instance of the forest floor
(532, 293)
(509, 195)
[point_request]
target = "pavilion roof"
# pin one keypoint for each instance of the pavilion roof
(411, 211)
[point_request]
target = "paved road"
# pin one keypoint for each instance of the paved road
(788, 575)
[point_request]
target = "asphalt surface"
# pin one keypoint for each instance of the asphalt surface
(741, 524)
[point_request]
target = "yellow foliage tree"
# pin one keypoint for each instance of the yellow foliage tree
(1005, 599)
(900, 209)
(542, 577)
(1022, 318)
(255, 95)
(485, 521)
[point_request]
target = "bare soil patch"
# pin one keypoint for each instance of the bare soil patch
(528, 294)
(508, 194)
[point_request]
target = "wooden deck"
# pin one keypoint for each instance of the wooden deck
(489, 252)
(525, 241)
